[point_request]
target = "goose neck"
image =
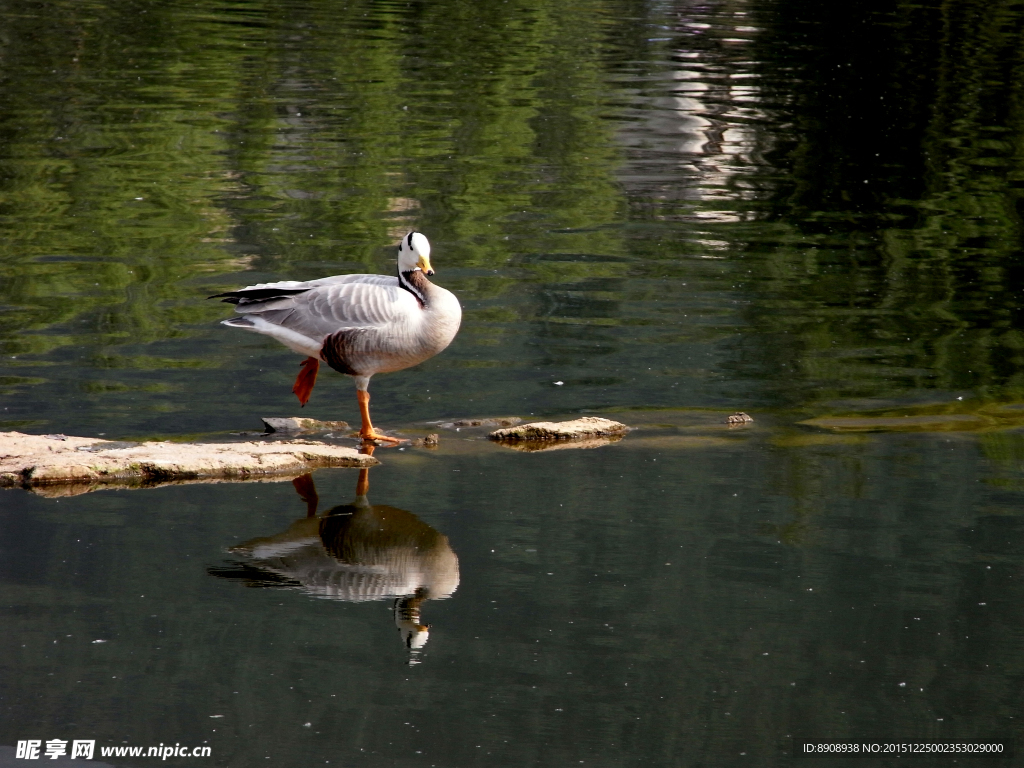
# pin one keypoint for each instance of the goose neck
(417, 284)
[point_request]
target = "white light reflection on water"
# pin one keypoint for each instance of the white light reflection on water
(695, 134)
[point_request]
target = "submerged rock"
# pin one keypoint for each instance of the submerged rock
(683, 442)
(957, 416)
(82, 464)
(430, 441)
(577, 429)
(532, 446)
(908, 423)
(499, 421)
(739, 418)
(296, 424)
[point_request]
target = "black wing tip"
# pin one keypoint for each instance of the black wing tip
(256, 294)
(232, 298)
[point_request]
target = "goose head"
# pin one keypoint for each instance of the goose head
(414, 636)
(414, 254)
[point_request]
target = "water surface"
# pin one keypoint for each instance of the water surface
(657, 212)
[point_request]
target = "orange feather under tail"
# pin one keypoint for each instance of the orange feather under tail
(306, 379)
(306, 489)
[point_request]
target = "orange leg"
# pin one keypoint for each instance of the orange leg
(367, 432)
(306, 379)
(363, 485)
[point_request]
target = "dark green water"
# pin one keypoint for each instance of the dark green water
(676, 210)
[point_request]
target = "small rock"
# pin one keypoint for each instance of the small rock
(739, 418)
(296, 424)
(430, 441)
(577, 429)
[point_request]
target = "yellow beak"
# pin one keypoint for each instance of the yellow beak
(424, 264)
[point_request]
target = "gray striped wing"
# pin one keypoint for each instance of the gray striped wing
(351, 301)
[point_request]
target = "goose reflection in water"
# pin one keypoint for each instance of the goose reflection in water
(356, 552)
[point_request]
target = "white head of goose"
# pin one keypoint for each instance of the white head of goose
(358, 324)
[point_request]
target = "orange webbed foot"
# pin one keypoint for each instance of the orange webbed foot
(367, 436)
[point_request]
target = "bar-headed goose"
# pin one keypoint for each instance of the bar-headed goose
(358, 324)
